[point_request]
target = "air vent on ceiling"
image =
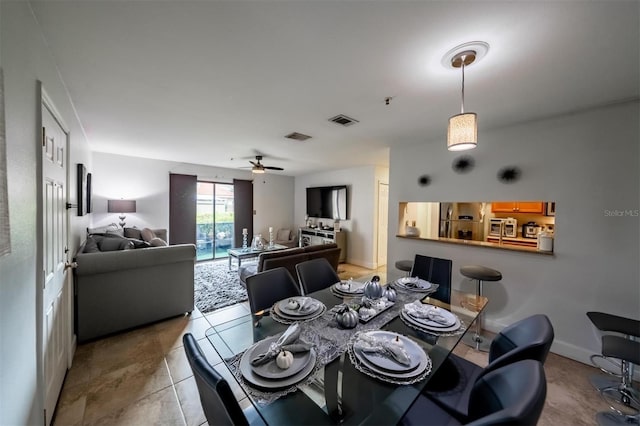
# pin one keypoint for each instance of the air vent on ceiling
(298, 136)
(343, 120)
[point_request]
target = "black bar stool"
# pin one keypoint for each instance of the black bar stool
(622, 398)
(480, 274)
(405, 265)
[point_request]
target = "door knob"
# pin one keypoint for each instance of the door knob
(72, 265)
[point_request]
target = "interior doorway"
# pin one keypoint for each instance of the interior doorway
(383, 222)
(214, 220)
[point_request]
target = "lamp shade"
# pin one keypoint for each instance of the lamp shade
(121, 206)
(462, 132)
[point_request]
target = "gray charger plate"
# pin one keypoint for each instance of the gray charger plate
(433, 324)
(321, 309)
(260, 382)
(283, 306)
(422, 325)
(358, 286)
(271, 370)
(412, 348)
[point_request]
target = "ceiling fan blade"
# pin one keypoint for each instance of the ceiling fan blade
(273, 168)
(255, 164)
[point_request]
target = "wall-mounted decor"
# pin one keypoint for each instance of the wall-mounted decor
(509, 174)
(5, 231)
(89, 197)
(463, 164)
(82, 189)
(424, 180)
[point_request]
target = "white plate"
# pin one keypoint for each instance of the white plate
(412, 348)
(312, 306)
(421, 325)
(270, 370)
(254, 379)
(421, 285)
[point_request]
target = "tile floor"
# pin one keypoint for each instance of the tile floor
(142, 377)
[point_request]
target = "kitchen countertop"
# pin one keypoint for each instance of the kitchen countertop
(486, 244)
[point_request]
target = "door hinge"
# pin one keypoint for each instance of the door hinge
(44, 141)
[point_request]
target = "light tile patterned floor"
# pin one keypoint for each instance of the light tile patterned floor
(142, 377)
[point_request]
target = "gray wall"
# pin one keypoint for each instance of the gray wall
(362, 207)
(26, 60)
(147, 181)
(588, 163)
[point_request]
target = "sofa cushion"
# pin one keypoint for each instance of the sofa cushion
(91, 245)
(246, 270)
(157, 242)
(283, 235)
(133, 233)
(147, 234)
(139, 243)
(114, 242)
(317, 247)
(111, 228)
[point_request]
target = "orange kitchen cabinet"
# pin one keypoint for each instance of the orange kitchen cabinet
(535, 207)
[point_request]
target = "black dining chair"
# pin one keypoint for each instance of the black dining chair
(529, 338)
(267, 287)
(218, 402)
(316, 274)
(437, 271)
(510, 395)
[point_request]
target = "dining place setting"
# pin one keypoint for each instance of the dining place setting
(431, 319)
(297, 309)
(389, 356)
(415, 284)
(278, 362)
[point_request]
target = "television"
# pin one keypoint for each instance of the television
(327, 202)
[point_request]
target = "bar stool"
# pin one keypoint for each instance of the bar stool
(405, 265)
(623, 399)
(480, 274)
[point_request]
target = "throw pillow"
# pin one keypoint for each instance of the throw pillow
(283, 234)
(91, 245)
(112, 244)
(133, 233)
(139, 243)
(103, 229)
(147, 234)
(157, 242)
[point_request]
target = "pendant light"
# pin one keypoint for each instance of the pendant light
(462, 133)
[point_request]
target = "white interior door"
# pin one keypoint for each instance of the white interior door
(383, 222)
(55, 288)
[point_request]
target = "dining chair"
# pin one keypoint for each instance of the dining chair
(267, 287)
(511, 395)
(437, 271)
(528, 338)
(316, 274)
(218, 402)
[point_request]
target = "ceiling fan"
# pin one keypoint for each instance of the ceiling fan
(258, 167)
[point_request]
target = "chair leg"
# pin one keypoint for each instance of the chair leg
(477, 340)
(606, 418)
(622, 398)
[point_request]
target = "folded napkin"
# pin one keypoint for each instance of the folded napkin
(306, 304)
(415, 283)
(286, 342)
(370, 344)
(432, 313)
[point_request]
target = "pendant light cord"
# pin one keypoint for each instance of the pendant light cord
(462, 106)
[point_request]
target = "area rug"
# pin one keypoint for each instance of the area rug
(216, 286)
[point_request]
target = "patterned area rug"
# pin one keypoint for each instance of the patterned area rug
(216, 286)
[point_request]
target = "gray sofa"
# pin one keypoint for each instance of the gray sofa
(121, 289)
(289, 258)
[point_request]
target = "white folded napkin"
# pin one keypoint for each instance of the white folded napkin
(286, 342)
(429, 312)
(370, 344)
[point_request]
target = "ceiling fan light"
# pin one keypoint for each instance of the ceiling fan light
(257, 170)
(462, 132)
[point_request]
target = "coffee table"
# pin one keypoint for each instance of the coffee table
(241, 253)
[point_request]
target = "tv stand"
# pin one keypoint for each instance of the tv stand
(315, 236)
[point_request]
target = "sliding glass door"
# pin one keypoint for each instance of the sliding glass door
(214, 220)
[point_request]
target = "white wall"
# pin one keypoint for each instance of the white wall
(362, 207)
(147, 181)
(25, 60)
(588, 164)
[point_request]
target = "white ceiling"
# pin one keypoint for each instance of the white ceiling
(207, 81)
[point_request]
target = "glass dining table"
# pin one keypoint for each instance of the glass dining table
(337, 391)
